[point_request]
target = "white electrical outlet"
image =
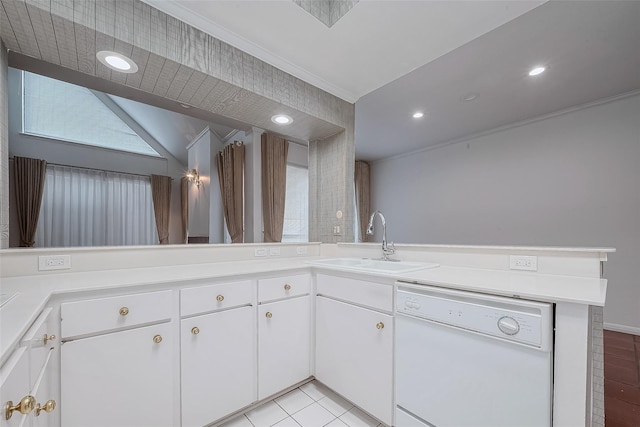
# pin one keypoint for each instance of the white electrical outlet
(523, 262)
(301, 250)
(260, 252)
(274, 251)
(54, 262)
(336, 230)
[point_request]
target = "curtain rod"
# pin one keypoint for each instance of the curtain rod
(95, 169)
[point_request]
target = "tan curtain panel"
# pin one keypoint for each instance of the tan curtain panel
(161, 194)
(184, 208)
(274, 185)
(231, 178)
(29, 177)
(363, 197)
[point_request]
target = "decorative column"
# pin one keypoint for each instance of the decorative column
(253, 187)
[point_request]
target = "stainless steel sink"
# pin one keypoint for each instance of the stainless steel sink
(373, 265)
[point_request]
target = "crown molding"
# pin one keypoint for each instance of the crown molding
(173, 8)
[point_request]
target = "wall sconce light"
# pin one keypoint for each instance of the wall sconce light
(194, 178)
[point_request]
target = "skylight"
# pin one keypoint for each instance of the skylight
(62, 111)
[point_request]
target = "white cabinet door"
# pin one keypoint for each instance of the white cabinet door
(218, 365)
(354, 355)
(14, 385)
(283, 344)
(42, 344)
(119, 379)
(47, 410)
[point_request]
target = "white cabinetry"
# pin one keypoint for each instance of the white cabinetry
(43, 378)
(14, 386)
(29, 373)
(123, 377)
(218, 352)
(283, 333)
(354, 344)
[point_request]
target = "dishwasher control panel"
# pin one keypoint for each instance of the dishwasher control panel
(527, 322)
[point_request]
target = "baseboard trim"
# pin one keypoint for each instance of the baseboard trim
(622, 328)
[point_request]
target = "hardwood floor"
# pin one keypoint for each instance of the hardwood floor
(621, 379)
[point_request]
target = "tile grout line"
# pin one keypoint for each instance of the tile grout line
(314, 400)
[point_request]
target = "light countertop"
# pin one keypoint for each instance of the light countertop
(534, 286)
(34, 292)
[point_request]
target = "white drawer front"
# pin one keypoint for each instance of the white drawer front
(368, 294)
(283, 287)
(215, 297)
(107, 314)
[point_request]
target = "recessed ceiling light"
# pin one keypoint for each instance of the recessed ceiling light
(117, 62)
(418, 115)
(281, 119)
(471, 96)
(536, 71)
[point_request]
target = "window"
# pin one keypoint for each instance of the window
(296, 206)
(84, 207)
(59, 110)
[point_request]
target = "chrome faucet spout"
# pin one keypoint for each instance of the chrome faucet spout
(386, 251)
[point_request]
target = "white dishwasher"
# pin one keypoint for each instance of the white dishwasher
(471, 360)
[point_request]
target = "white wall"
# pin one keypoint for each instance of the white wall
(568, 180)
(298, 155)
(199, 153)
(205, 203)
(216, 213)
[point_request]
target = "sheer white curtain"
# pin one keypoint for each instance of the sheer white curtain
(82, 207)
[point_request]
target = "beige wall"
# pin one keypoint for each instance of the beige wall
(331, 180)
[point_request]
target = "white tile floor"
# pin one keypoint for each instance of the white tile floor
(311, 405)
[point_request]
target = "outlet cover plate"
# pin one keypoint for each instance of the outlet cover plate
(523, 262)
(54, 262)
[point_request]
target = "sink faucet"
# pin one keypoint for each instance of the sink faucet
(386, 250)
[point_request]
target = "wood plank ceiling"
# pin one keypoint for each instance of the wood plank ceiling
(176, 62)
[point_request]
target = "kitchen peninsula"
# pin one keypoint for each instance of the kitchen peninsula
(151, 307)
